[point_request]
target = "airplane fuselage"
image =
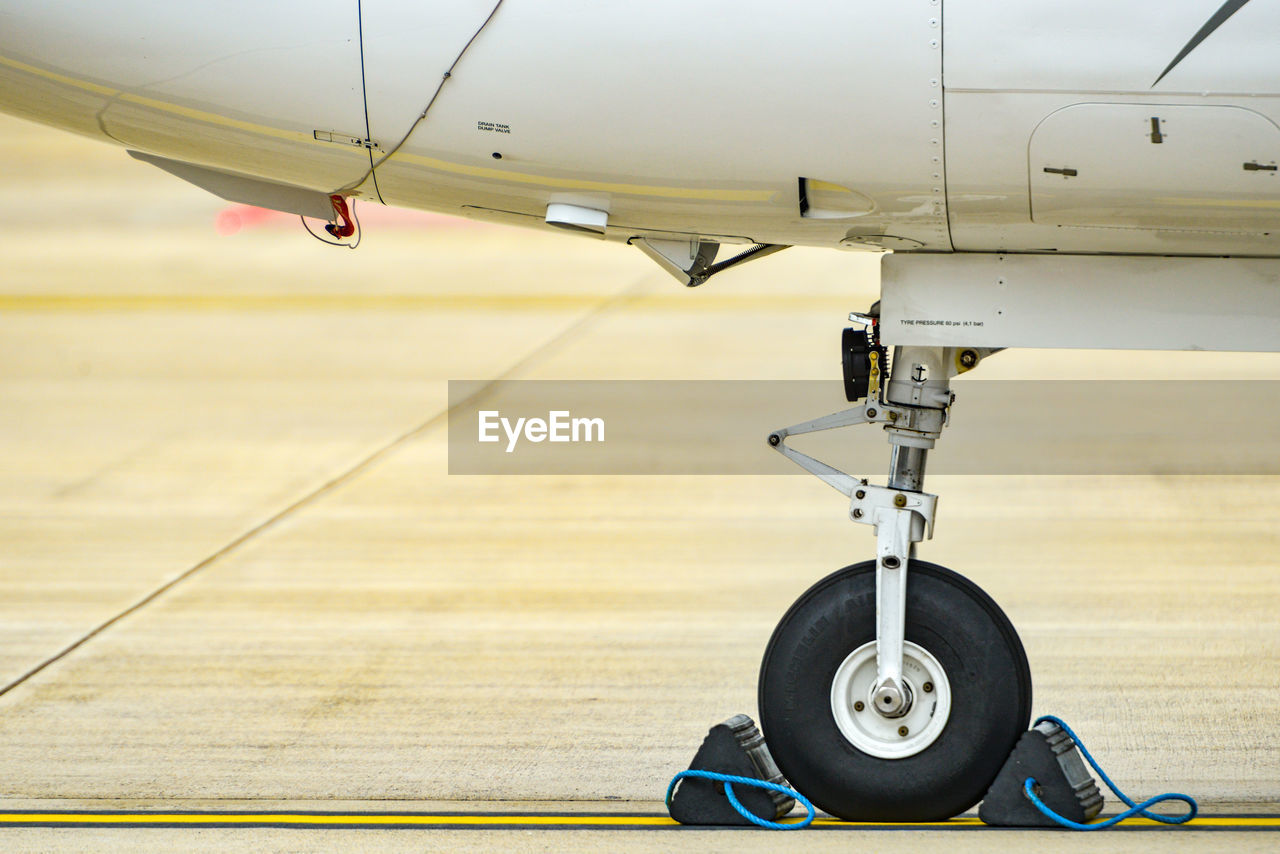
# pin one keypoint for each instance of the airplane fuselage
(964, 125)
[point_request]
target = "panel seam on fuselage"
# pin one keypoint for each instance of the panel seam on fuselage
(942, 131)
(364, 97)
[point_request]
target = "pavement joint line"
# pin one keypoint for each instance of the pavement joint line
(453, 820)
(601, 308)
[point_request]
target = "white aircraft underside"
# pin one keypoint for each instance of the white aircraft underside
(916, 125)
(1047, 173)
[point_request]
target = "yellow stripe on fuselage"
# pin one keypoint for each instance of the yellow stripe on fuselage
(487, 173)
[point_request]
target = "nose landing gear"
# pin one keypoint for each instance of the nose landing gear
(883, 700)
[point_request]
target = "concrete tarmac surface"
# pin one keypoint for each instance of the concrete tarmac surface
(236, 575)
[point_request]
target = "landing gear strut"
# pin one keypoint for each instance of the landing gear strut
(883, 700)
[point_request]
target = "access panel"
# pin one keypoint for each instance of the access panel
(1163, 167)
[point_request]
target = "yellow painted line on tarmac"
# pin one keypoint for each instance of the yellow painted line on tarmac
(346, 820)
(482, 820)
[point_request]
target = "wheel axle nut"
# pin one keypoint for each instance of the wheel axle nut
(899, 500)
(903, 731)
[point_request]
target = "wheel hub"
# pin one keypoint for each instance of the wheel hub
(920, 717)
(892, 700)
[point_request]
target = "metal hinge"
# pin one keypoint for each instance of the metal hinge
(345, 139)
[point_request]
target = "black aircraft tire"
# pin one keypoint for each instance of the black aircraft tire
(970, 638)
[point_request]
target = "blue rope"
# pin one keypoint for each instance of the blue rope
(1029, 786)
(730, 779)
